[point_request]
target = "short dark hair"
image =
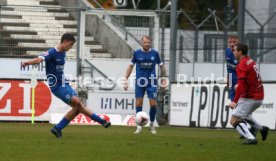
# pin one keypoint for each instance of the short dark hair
(68, 37)
(242, 47)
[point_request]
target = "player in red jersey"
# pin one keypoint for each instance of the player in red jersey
(249, 95)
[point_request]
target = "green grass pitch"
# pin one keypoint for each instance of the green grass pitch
(26, 142)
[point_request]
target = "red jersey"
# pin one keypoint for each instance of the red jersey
(249, 80)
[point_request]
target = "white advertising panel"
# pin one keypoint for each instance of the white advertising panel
(219, 112)
(206, 106)
(180, 105)
(108, 102)
(266, 114)
(16, 72)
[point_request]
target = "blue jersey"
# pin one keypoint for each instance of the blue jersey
(231, 66)
(232, 78)
(55, 61)
(146, 63)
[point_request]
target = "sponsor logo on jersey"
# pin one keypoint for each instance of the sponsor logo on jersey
(59, 67)
(230, 65)
(146, 65)
(67, 96)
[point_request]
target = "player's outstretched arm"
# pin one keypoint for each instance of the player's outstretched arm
(31, 62)
(128, 72)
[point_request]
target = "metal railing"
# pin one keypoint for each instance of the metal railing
(206, 40)
(92, 68)
(116, 21)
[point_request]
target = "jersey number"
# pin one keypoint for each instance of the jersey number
(257, 72)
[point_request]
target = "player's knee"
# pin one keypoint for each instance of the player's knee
(139, 102)
(76, 111)
(76, 102)
(153, 103)
(234, 121)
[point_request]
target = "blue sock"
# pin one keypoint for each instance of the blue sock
(62, 124)
(152, 113)
(138, 109)
(97, 118)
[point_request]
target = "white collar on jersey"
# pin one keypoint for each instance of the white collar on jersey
(57, 49)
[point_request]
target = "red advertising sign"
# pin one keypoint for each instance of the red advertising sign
(84, 120)
(131, 121)
(16, 98)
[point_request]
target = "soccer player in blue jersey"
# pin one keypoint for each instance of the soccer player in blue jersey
(232, 78)
(231, 65)
(55, 60)
(146, 60)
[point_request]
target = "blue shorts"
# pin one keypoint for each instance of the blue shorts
(65, 93)
(140, 92)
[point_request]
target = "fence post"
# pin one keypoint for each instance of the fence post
(241, 12)
(173, 31)
(80, 39)
(126, 34)
(229, 11)
(173, 40)
(158, 4)
(196, 45)
(163, 27)
(156, 33)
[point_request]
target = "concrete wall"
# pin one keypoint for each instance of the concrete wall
(109, 37)
(71, 4)
(104, 32)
